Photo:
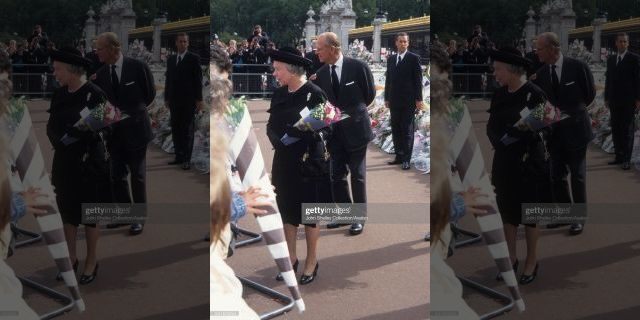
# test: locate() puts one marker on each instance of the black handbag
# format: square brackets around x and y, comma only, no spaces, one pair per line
[316,161]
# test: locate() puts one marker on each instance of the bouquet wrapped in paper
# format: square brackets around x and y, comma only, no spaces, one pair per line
[536,119]
[103,115]
[321,116]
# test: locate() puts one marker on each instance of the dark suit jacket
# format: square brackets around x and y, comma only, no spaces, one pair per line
[403,84]
[135,92]
[622,83]
[183,85]
[357,91]
[577,91]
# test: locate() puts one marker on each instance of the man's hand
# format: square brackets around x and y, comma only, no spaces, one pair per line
[419,105]
[533,77]
[313,77]
[93,77]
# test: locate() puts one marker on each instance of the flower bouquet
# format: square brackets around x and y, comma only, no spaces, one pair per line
[103,115]
[542,116]
[321,116]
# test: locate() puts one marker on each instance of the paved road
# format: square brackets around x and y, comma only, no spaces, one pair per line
[592,276]
[378,275]
[161,274]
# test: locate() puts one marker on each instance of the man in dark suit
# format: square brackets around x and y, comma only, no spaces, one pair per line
[261,36]
[349,86]
[128,84]
[183,96]
[568,84]
[403,95]
[622,97]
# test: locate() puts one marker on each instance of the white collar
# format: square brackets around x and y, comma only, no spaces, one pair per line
[560,61]
[118,63]
[401,55]
[339,61]
[181,55]
[621,55]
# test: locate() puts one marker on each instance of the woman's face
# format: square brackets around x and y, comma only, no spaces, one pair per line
[502,73]
[281,73]
[61,72]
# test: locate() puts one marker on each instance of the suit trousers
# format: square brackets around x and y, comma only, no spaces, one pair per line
[563,162]
[403,130]
[182,131]
[622,129]
[348,162]
[127,162]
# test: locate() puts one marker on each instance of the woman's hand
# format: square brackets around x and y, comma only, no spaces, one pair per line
[472,203]
[33,199]
[252,200]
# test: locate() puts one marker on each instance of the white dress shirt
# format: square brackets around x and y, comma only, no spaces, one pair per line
[400,57]
[558,67]
[118,65]
[180,57]
[338,65]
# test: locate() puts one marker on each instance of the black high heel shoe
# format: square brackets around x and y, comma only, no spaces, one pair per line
[306,279]
[515,270]
[279,277]
[75,270]
[526,279]
[86,279]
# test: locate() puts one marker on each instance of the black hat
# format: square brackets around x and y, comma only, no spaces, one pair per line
[71,56]
[510,55]
[289,55]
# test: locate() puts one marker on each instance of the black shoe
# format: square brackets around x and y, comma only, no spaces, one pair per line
[396,161]
[614,162]
[626,165]
[576,229]
[174,162]
[515,270]
[136,229]
[406,165]
[526,279]
[356,229]
[305,279]
[75,270]
[186,166]
[279,277]
[334,225]
[115,225]
[86,279]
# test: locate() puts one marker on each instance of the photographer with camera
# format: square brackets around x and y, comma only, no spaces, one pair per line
[262,36]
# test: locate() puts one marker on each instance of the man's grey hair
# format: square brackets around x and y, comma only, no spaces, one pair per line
[550,39]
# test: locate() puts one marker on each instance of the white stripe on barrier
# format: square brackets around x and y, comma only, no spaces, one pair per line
[50,222]
[240,136]
[59,250]
[270,222]
[279,251]
[499,250]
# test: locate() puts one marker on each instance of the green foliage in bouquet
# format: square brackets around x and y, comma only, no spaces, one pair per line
[235,111]
[15,112]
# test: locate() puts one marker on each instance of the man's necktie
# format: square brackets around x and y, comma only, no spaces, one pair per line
[399,59]
[179,59]
[335,83]
[555,82]
[619,59]
[114,79]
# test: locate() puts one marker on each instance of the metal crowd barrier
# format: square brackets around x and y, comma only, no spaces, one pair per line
[253,80]
[33,80]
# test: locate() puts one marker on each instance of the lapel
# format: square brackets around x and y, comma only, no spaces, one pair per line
[123,73]
[343,73]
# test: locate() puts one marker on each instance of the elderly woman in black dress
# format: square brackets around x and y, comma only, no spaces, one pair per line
[519,171]
[80,168]
[292,186]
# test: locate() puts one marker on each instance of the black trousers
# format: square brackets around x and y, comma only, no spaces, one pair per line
[403,130]
[346,162]
[182,131]
[129,163]
[622,129]
[563,162]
